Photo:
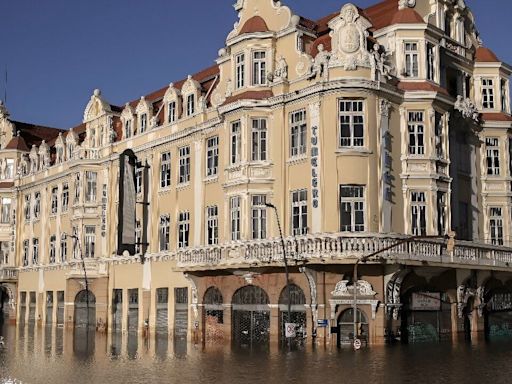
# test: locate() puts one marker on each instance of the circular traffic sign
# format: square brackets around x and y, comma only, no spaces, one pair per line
[357,344]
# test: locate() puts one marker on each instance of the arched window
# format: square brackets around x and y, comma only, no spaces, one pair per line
[250,295]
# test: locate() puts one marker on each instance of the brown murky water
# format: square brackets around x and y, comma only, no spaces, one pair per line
[53,355]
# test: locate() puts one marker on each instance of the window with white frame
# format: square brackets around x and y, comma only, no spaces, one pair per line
[259,72]
[418,214]
[26,250]
[234,212]
[9,168]
[259,139]
[27,208]
[90,186]
[240,70]
[351,115]
[191,104]
[90,241]
[183,229]
[259,217]
[236,142]
[298,129]
[63,248]
[35,251]
[411,59]
[441,213]
[65,197]
[53,250]
[37,205]
[488,93]
[171,112]
[503,84]
[431,62]
[300,212]
[6,210]
[55,200]
[165,170]
[496,225]
[138,237]
[439,134]
[5,248]
[184,171]
[77,188]
[352,208]
[143,122]
[164,232]
[138,179]
[128,129]
[492,150]
[212,156]
[416,128]
[212,225]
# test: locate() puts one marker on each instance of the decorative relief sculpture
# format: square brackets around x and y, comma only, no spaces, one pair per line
[343,288]
[467,108]
[348,35]
[44,156]
[319,64]
[464,293]
[34,159]
[281,72]
[406,3]
[381,62]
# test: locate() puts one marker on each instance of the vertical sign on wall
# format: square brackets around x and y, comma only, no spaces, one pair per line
[314,121]
[127,201]
[104,210]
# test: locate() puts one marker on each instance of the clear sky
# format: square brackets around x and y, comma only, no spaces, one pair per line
[58,51]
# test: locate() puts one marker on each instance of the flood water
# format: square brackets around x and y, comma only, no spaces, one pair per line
[52,355]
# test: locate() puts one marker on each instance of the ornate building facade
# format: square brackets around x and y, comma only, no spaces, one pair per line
[369,131]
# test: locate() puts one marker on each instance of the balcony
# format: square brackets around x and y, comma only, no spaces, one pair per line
[337,249]
[8,274]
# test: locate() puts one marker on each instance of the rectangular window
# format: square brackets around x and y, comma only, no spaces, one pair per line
[65,197]
[259,217]
[488,93]
[234,210]
[90,186]
[503,95]
[164,232]
[27,207]
[53,250]
[300,212]
[183,229]
[138,237]
[352,206]
[212,225]
[418,214]
[55,200]
[184,175]
[240,71]
[212,156]
[416,133]
[63,249]
[37,205]
[411,60]
[128,129]
[143,122]
[431,62]
[236,142]
[191,108]
[171,112]
[9,168]
[298,133]
[6,210]
[90,241]
[441,213]
[492,150]
[439,135]
[25,252]
[496,225]
[259,72]
[77,188]
[138,179]
[259,139]
[351,116]
[35,251]
[165,170]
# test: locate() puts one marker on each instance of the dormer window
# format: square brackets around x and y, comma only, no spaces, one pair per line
[487,93]
[259,68]
[143,122]
[190,105]
[240,70]
[411,60]
[171,114]
[128,129]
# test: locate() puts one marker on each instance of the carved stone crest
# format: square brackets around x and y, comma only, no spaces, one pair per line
[467,108]
[344,288]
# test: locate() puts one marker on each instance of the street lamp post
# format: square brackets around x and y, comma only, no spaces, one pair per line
[363,259]
[285,260]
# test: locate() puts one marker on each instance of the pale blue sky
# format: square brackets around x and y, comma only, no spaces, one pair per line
[58,51]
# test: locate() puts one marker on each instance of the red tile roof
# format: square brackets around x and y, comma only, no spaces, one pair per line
[496,116]
[485,55]
[249,95]
[407,16]
[409,86]
[35,134]
[5,184]
[17,143]
[254,24]
[381,14]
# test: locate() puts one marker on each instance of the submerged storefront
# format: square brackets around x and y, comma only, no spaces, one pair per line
[498,316]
